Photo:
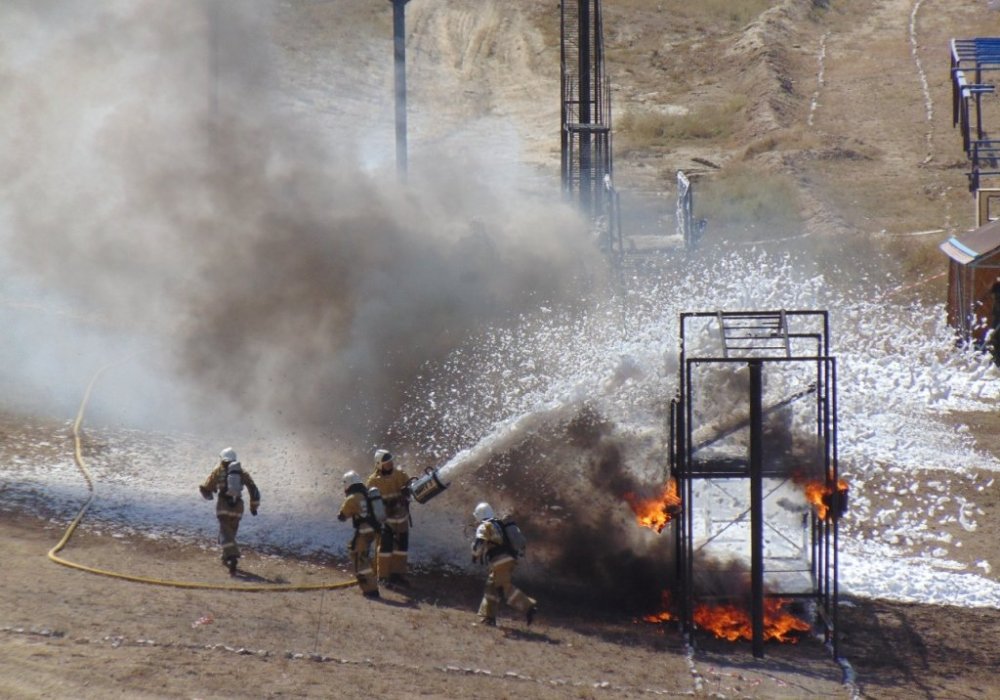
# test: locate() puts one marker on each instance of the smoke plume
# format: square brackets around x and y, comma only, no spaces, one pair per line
[154,175]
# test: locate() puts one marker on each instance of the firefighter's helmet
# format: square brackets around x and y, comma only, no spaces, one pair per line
[484,511]
[228,455]
[353,482]
[382,457]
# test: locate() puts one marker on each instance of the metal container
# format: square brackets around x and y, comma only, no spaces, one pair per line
[428,486]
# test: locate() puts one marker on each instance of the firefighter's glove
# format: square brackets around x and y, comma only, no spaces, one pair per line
[205,493]
[341,517]
[253,510]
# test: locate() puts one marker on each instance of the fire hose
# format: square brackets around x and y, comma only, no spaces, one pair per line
[82,466]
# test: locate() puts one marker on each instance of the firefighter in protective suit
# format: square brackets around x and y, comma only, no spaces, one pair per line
[356,507]
[394,539]
[228,479]
[490,548]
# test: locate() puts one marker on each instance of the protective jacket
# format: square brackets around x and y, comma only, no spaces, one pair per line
[391,486]
[489,545]
[356,508]
[216,483]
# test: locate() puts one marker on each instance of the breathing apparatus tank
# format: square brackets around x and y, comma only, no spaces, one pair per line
[234,480]
[376,504]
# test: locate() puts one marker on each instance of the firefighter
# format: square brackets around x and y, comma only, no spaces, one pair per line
[356,507]
[394,538]
[228,480]
[491,547]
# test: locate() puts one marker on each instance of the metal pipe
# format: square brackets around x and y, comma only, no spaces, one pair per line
[399,66]
[583,66]
[757,505]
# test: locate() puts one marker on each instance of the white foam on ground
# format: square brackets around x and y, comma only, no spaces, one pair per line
[898,373]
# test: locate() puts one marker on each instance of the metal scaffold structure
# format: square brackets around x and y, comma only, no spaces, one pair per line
[974,63]
[754,455]
[587,173]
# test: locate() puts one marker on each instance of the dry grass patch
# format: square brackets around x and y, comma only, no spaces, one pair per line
[918,257]
[737,14]
[640,129]
[793,139]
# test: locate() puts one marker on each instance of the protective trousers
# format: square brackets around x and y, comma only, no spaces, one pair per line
[393,547]
[229,515]
[360,549]
[500,588]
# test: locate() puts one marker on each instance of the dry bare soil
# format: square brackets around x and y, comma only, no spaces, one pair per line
[850,104]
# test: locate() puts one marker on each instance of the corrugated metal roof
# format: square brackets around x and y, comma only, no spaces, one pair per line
[973,245]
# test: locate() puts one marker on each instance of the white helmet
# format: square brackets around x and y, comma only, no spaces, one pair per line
[484,511]
[228,455]
[351,478]
[382,457]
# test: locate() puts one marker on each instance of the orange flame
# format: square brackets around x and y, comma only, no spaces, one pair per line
[820,495]
[663,616]
[732,622]
[655,513]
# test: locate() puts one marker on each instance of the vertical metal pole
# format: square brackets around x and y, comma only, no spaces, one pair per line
[563,103]
[820,551]
[832,392]
[979,103]
[214,59]
[757,506]
[399,64]
[586,169]
[688,495]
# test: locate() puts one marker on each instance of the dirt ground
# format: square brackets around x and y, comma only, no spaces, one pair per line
[853,102]
[68,633]
[72,634]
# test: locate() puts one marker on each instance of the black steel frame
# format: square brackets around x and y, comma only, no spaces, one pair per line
[585,114]
[755,340]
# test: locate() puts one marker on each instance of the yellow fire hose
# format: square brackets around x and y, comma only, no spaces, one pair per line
[81,465]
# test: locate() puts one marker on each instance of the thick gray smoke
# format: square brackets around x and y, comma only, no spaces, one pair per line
[566,482]
[151,175]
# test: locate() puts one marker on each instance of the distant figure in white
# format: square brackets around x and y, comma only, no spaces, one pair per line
[228,479]
[499,552]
